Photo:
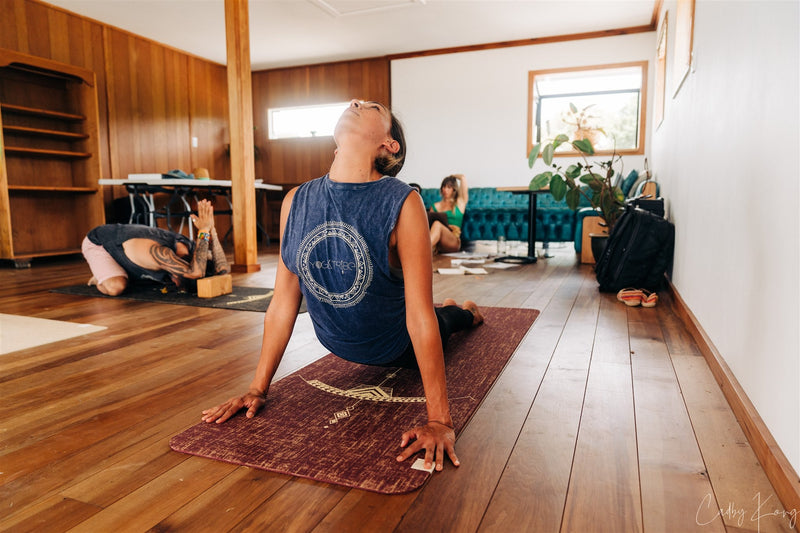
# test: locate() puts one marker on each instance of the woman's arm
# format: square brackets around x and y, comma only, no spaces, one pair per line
[413,247]
[279,322]
[463,192]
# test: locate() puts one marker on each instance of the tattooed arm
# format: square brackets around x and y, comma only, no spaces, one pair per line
[151,255]
[204,220]
[165,259]
[218,254]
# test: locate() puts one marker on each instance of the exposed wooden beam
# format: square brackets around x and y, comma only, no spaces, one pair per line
[526,42]
[240,105]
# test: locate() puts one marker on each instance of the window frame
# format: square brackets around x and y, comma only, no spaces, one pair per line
[269,119]
[639,150]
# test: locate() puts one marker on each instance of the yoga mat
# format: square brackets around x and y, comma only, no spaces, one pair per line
[22,332]
[341,422]
[241,299]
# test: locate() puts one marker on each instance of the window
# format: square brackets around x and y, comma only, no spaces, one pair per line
[603,104]
[304,121]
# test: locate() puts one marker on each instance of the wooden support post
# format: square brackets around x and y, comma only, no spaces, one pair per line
[240,107]
[6,248]
[214,286]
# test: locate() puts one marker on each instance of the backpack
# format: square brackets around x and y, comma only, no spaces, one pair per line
[638,252]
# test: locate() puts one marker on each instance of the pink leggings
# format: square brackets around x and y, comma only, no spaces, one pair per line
[100,262]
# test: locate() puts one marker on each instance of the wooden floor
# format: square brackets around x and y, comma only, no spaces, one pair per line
[606,419]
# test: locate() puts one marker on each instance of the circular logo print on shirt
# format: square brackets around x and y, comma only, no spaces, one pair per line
[334,263]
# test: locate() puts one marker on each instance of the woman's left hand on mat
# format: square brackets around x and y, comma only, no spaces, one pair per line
[435,438]
[222,412]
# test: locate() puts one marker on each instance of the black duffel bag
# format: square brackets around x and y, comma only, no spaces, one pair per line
[654,205]
[638,252]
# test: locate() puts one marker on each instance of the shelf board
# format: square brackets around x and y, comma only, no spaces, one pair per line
[45,253]
[22,110]
[40,188]
[38,132]
[38,152]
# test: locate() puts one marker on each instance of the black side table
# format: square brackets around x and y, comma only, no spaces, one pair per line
[531,257]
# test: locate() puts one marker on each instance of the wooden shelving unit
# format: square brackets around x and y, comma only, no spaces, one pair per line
[49,157]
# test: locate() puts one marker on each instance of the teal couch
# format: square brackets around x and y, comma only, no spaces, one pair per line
[492,213]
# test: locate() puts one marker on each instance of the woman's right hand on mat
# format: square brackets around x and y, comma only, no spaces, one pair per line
[253,401]
[435,438]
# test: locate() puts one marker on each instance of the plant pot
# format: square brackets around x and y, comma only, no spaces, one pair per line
[599,241]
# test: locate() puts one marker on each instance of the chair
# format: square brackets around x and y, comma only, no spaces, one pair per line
[591,224]
[648,189]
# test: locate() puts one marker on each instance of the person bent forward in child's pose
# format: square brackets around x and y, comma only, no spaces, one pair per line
[119,254]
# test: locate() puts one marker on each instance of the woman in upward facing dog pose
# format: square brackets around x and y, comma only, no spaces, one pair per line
[455,195]
[355,244]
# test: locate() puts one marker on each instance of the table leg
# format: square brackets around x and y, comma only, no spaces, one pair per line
[532,226]
[259,227]
[132,198]
[531,257]
[188,210]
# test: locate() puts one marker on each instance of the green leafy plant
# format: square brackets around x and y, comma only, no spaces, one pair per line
[584,123]
[594,181]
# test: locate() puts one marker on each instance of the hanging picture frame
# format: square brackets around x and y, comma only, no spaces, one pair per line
[684,31]
[661,70]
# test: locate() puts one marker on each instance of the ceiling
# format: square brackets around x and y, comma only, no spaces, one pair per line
[301,32]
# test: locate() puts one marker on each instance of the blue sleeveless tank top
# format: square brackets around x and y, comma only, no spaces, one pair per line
[336,241]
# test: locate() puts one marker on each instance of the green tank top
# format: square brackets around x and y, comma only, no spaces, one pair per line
[454,217]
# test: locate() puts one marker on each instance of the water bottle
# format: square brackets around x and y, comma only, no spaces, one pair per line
[501,245]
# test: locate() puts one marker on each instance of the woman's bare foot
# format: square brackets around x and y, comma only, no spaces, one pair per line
[92,282]
[472,307]
[449,301]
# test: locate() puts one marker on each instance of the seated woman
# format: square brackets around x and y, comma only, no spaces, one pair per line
[455,195]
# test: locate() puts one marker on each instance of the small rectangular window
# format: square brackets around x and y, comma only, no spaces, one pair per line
[304,121]
[603,104]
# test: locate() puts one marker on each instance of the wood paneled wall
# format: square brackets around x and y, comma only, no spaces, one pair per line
[158,100]
[40,30]
[152,98]
[293,161]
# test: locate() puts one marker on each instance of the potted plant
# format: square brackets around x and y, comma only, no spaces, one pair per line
[585,124]
[593,180]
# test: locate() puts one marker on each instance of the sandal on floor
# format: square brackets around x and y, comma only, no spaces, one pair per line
[649,299]
[631,297]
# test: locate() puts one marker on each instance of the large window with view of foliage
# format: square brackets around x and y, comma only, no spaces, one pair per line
[603,104]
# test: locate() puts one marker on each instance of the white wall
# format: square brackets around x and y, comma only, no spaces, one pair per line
[727,157]
[726,154]
[467,112]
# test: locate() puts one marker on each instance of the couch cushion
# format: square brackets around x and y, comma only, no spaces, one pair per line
[627,184]
[492,213]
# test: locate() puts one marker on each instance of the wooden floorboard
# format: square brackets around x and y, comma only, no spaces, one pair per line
[673,474]
[605,470]
[606,418]
[531,493]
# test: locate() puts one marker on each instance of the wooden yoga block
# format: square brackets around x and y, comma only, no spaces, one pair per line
[590,225]
[214,286]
